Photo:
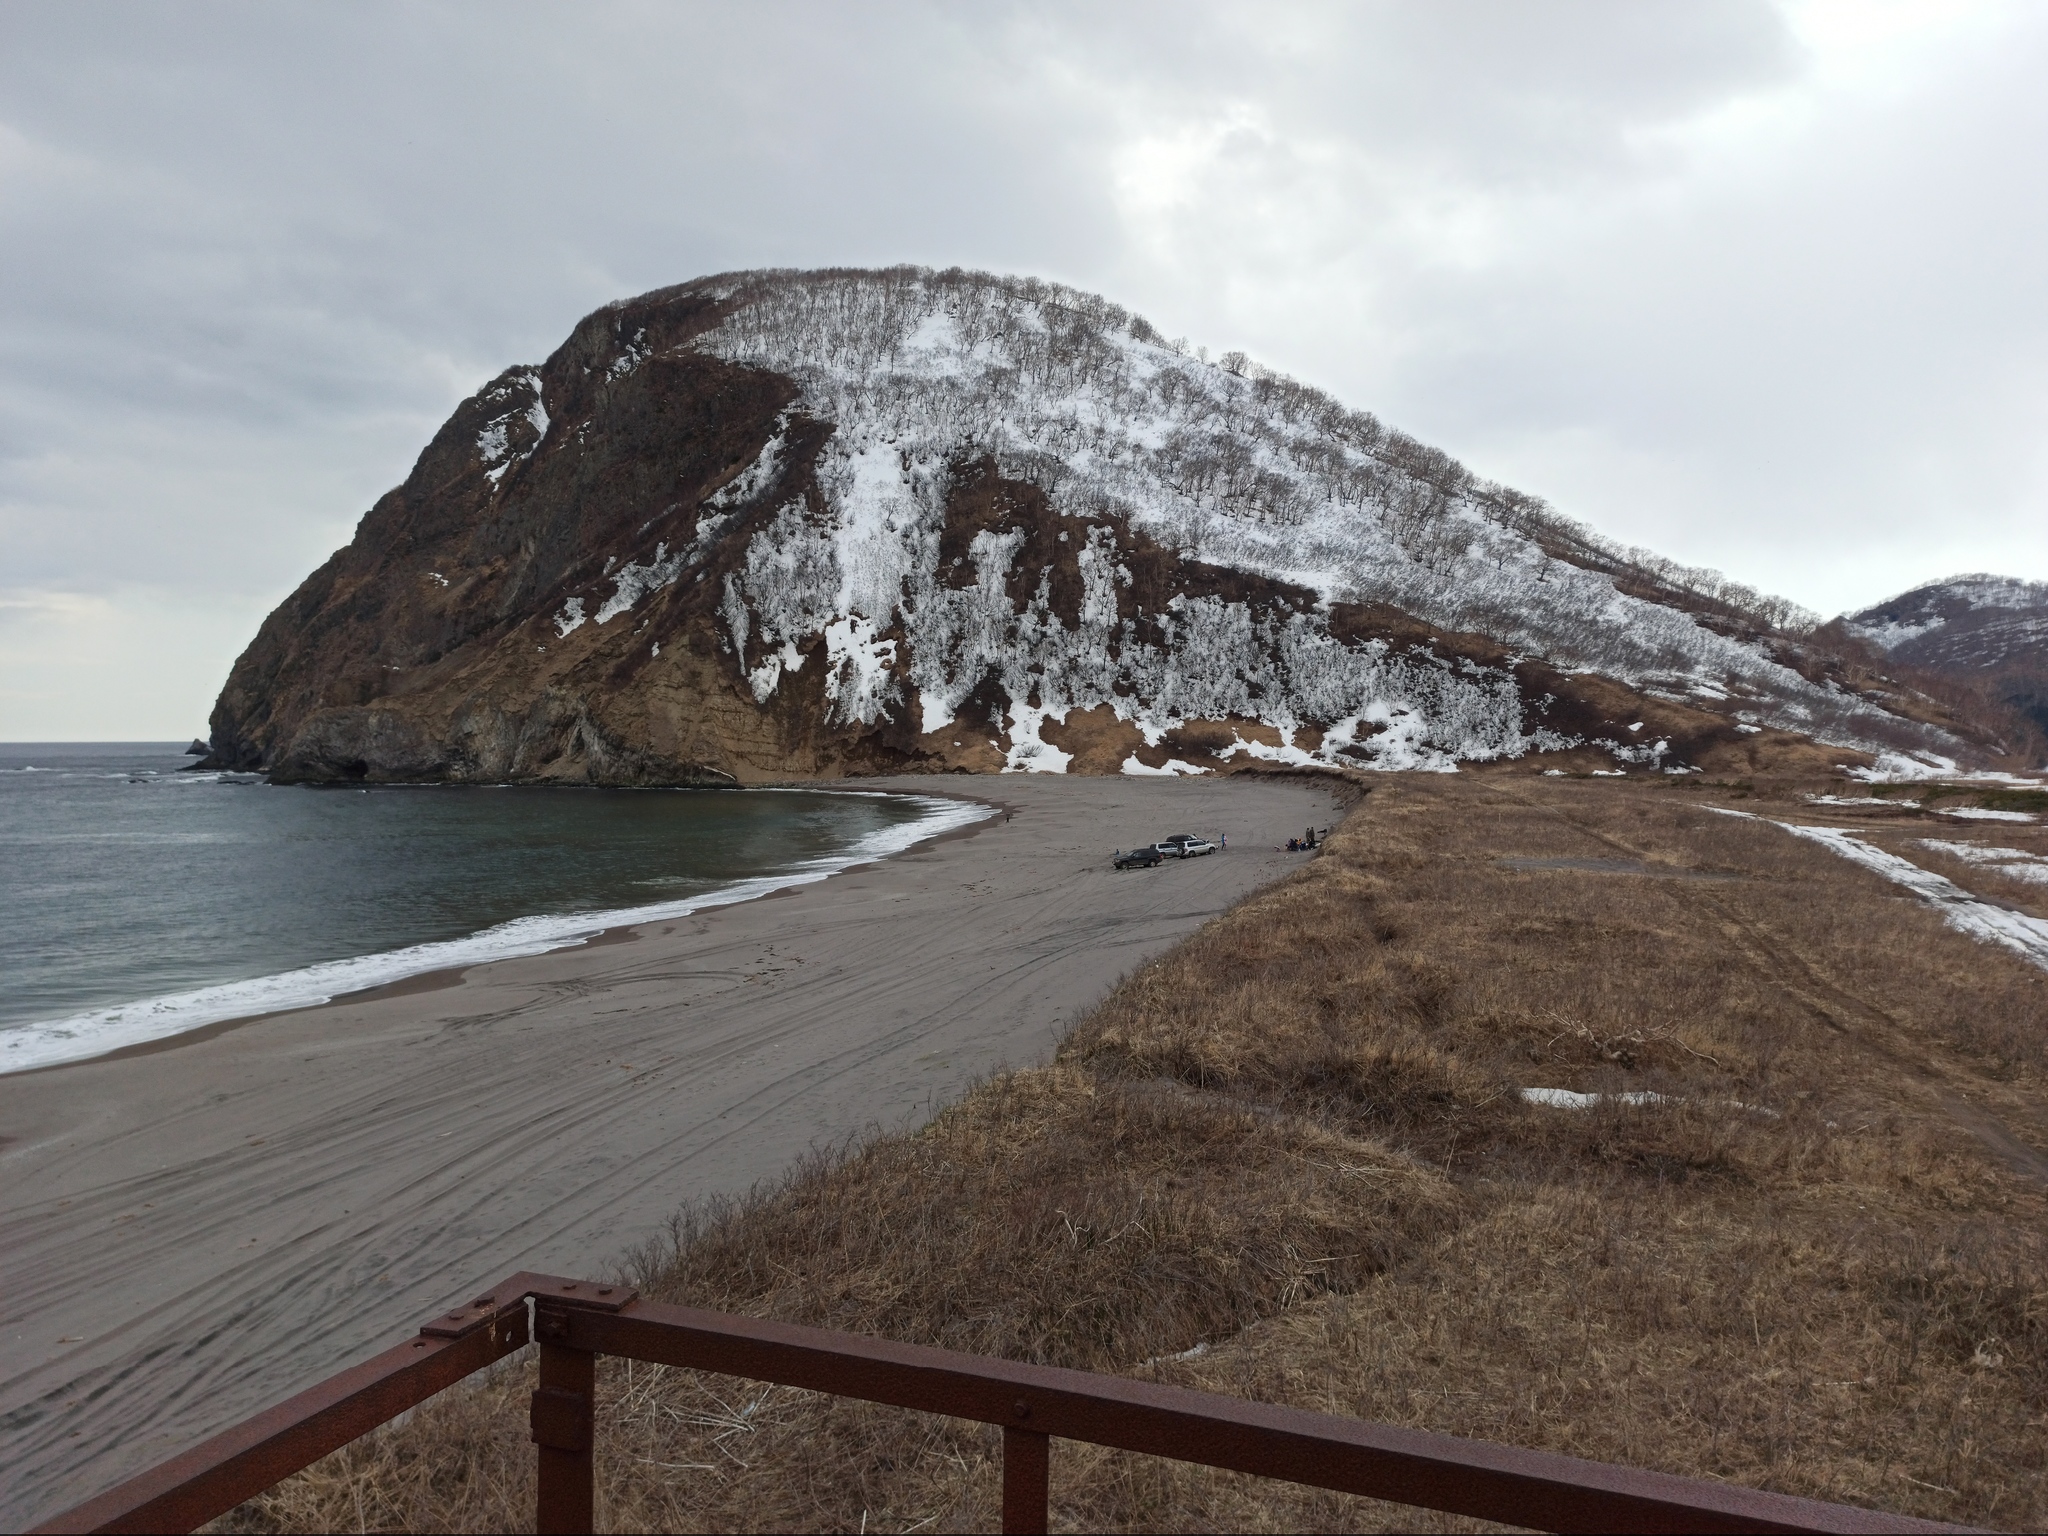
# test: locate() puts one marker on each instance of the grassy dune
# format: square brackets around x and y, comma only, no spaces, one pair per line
[1292,1161]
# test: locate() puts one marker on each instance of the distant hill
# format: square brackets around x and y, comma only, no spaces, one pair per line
[784,524]
[1988,634]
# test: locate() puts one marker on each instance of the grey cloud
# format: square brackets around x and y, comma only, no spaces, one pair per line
[255,253]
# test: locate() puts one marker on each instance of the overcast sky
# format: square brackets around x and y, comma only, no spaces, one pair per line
[1757,285]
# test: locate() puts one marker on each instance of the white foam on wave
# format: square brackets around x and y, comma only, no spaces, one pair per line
[156,1018]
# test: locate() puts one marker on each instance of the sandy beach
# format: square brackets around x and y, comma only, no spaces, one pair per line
[191,1231]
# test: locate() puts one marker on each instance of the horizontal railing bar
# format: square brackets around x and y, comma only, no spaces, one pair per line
[214,1476]
[1471,1477]
[1468,1477]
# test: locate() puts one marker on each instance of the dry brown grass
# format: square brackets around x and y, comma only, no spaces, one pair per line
[1986,880]
[1298,1141]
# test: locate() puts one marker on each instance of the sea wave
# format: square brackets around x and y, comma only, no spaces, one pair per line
[110,1029]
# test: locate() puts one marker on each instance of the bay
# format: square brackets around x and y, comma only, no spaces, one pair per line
[139,899]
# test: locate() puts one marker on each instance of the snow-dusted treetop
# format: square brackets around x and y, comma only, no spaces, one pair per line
[1221,461]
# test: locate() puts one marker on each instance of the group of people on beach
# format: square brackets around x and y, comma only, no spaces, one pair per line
[1305,843]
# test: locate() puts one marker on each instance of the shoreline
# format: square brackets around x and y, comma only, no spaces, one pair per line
[437,977]
[188,1235]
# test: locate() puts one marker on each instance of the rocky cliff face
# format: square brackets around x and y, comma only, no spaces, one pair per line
[780,525]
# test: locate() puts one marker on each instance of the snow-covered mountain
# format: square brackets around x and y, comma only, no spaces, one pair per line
[1988,632]
[773,524]
[1964,621]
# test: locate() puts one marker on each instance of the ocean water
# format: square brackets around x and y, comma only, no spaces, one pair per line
[138,900]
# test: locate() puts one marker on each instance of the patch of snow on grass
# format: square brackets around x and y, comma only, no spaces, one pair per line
[1977,813]
[1565,1098]
[570,617]
[1287,753]
[1648,756]
[1959,909]
[2014,863]
[1864,802]
[1027,753]
[1899,768]
[1172,769]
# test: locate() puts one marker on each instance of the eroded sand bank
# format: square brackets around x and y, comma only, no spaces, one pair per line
[190,1233]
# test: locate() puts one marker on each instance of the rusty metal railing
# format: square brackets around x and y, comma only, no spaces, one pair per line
[575,1321]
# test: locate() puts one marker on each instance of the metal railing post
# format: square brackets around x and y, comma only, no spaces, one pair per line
[1027,1472]
[562,1415]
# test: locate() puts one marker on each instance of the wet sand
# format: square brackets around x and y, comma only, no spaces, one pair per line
[192,1230]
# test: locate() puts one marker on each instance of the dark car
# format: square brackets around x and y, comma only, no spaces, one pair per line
[1140,858]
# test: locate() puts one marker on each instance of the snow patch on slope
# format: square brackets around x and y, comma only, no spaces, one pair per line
[857,675]
[494,442]
[757,476]
[2016,931]
[1173,767]
[1029,753]
[634,581]
[873,563]
[1901,768]
[1230,470]
[2013,863]
[1927,767]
